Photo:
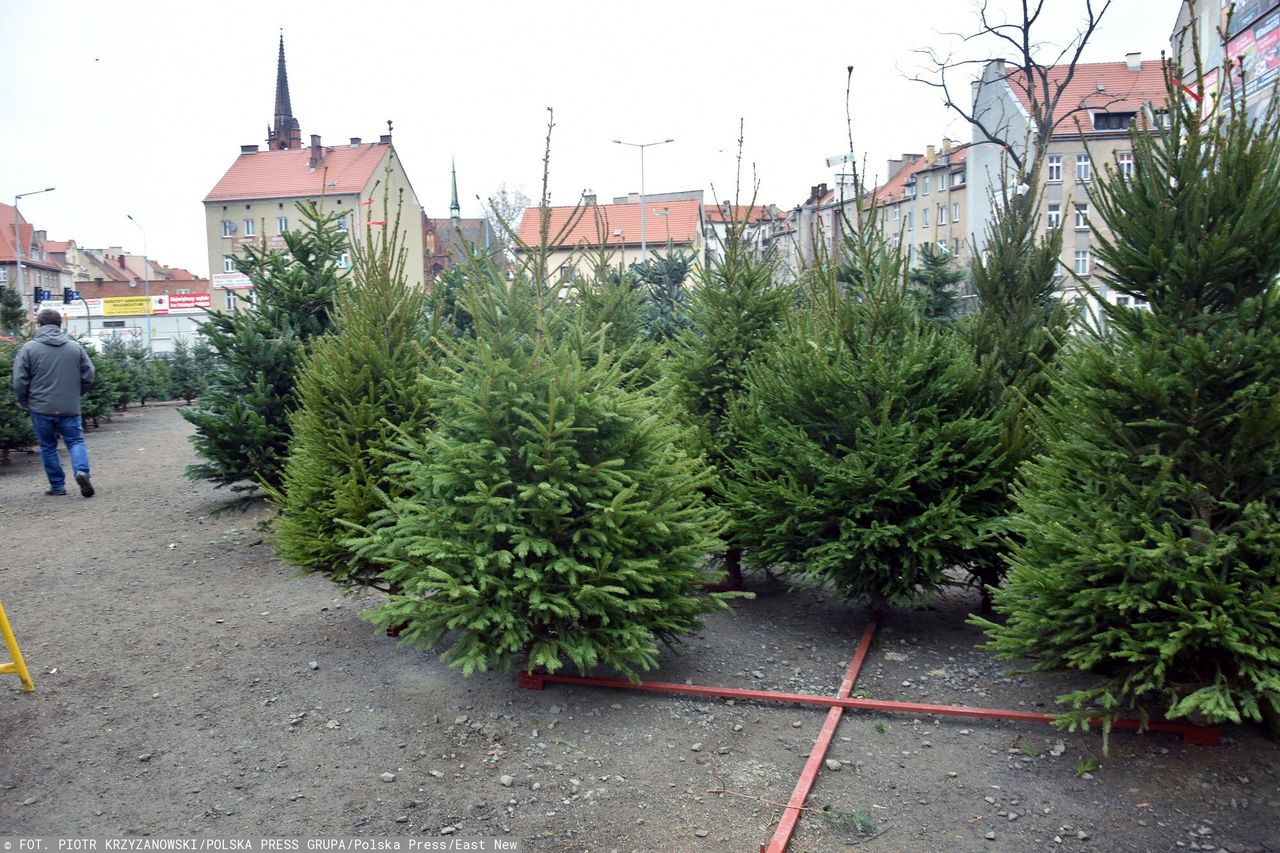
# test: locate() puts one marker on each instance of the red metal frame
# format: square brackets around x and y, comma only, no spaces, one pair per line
[1191,733]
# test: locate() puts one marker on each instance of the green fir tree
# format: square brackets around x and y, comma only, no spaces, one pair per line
[242,418]
[734,312]
[1147,546]
[865,457]
[185,381]
[935,283]
[13,316]
[359,389]
[15,420]
[551,517]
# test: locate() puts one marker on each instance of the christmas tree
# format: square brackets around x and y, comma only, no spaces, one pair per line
[12,315]
[358,390]
[1146,534]
[241,421]
[865,458]
[185,381]
[935,280]
[15,421]
[736,309]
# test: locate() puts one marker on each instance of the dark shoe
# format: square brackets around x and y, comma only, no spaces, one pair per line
[53,491]
[86,488]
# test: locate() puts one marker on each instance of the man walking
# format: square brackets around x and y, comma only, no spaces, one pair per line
[49,375]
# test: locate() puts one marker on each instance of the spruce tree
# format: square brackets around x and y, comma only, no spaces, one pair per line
[12,315]
[551,515]
[935,280]
[1146,534]
[184,379]
[15,421]
[1020,324]
[664,278]
[865,458]
[736,309]
[241,421]
[358,390]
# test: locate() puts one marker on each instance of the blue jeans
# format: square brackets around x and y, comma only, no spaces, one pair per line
[48,428]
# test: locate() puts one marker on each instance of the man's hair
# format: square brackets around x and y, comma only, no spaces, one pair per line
[49,317]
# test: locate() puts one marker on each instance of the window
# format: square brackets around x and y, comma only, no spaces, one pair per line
[942,214]
[228,300]
[228,228]
[942,180]
[113,324]
[1122,300]
[345,261]
[1112,121]
[1084,168]
[897,213]
[1124,162]
[957,179]
[955,212]
[1054,217]
[911,220]
[924,218]
[4,274]
[282,224]
[926,185]
[183,290]
[342,224]
[248,228]
[911,255]
[911,190]
[1082,216]
[1082,261]
[955,245]
[1055,168]
[228,263]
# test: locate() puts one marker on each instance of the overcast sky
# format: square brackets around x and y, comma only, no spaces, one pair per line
[140,107]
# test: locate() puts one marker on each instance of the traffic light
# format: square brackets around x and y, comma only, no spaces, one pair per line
[67,295]
[37,296]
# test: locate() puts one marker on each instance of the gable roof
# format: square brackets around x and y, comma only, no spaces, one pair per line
[722,213]
[1104,86]
[604,221]
[344,170]
[895,189]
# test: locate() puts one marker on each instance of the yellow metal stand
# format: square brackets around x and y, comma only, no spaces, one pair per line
[16,665]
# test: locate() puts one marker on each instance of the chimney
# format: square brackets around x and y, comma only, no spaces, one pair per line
[317,153]
[355,141]
[930,154]
[1133,61]
[384,139]
[589,198]
[248,149]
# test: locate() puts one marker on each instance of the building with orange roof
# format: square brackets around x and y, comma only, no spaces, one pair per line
[255,201]
[39,270]
[756,222]
[578,234]
[1099,105]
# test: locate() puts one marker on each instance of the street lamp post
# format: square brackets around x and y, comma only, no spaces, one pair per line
[17,236]
[146,281]
[644,245]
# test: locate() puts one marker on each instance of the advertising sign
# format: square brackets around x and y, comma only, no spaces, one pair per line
[231,281]
[1257,50]
[124,306]
[189,302]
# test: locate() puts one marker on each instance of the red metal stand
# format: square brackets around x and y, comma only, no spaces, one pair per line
[1191,733]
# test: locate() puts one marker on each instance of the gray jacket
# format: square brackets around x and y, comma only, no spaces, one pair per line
[51,372]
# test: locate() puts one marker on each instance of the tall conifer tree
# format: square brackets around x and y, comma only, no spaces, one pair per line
[1146,537]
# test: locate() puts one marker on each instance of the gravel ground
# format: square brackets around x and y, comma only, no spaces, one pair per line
[189,684]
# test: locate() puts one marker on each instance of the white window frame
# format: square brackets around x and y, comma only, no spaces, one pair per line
[1083,262]
[911,220]
[942,181]
[229,300]
[282,224]
[342,224]
[1084,168]
[955,211]
[228,263]
[228,228]
[249,229]
[942,214]
[897,213]
[924,217]
[1082,216]
[925,187]
[1124,164]
[1053,216]
[1053,173]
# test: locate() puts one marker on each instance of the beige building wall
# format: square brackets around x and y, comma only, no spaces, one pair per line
[262,222]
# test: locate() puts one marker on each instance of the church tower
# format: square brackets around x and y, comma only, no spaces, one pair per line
[286,132]
[455,212]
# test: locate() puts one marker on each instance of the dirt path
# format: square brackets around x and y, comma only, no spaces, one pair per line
[188,684]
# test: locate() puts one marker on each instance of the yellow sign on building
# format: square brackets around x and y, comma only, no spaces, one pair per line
[121,306]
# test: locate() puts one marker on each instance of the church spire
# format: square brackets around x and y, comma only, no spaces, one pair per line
[285,132]
[455,212]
